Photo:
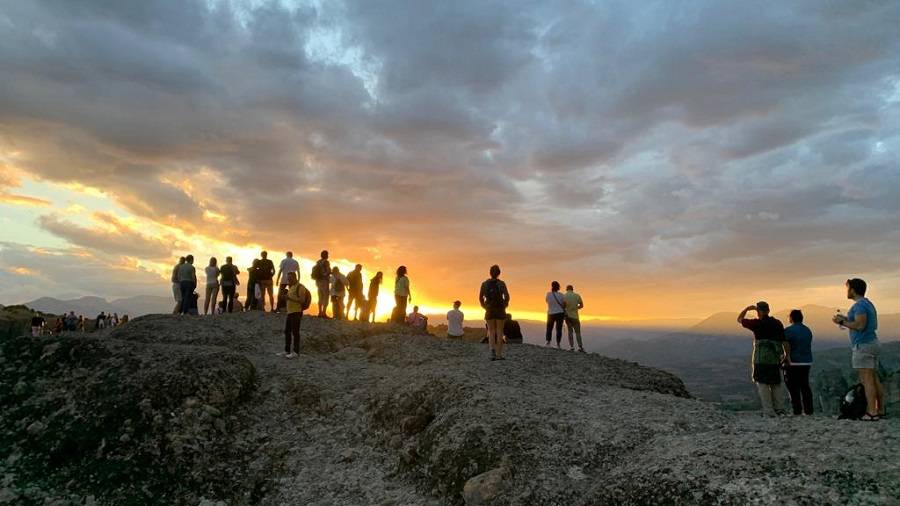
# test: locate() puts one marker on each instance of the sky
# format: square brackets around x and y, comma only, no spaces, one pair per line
[669,159]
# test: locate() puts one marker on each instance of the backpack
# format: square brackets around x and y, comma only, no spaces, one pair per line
[853,403]
[307,298]
[317,269]
[493,295]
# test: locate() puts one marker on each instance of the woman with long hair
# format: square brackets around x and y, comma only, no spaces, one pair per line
[401,295]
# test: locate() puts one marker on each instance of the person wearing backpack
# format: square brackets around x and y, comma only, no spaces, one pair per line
[298,300]
[556,312]
[770,350]
[338,290]
[229,280]
[862,322]
[494,298]
[321,275]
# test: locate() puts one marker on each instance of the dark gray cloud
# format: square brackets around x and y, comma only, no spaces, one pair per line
[667,135]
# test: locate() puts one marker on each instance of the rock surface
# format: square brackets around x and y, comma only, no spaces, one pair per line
[201,411]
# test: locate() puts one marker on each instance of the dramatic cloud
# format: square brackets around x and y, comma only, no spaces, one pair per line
[605,142]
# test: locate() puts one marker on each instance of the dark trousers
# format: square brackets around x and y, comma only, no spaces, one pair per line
[555,319]
[358,298]
[187,295]
[400,310]
[228,297]
[292,332]
[796,378]
[251,296]
[337,307]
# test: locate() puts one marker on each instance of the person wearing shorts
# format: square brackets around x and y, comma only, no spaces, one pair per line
[862,322]
[494,298]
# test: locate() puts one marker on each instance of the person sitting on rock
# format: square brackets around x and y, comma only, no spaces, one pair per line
[455,319]
[417,320]
[770,349]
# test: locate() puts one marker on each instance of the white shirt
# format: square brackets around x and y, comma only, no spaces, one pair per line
[212,275]
[554,303]
[333,290]
[289,265]
[455,322]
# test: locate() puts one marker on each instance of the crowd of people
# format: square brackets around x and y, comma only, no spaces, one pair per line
[785,354]
[70,322]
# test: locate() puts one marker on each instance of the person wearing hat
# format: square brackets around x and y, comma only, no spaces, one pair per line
[455,320]
[770,350]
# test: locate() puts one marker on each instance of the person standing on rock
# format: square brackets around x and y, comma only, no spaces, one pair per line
[455,318]
[252,301]
[321,274]
[176,287]
[287,266]
[573,324]
[229,276]
[556,312]
[355,291]
[862,321]
[338,290]
[187,280]
[37,324]
[212,286]
[372,302]
[298,299]
[770,349]
[796,370]
[402,295]
[494,299]
[264,277]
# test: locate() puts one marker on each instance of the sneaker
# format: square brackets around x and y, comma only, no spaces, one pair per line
[291,355]
[281,354]
[581,350]
[572,348]
[548,343]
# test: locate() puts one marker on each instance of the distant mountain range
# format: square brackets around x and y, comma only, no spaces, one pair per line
[92,306]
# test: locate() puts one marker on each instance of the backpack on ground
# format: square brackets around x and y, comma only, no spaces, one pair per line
[854,403]
[493,295]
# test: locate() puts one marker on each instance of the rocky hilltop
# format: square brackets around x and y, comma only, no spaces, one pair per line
[170,410]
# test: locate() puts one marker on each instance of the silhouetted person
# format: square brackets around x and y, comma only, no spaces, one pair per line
[417,320]
[494,298]
[124,319]
[58,326]
[321,274]
[862,322]
[264,275]
[556,312]
[71,321]
[81,327]
[238,306]
[100,324]
[511,330]
[187,279]
[115,319]
[37,324]
[796,370]
[573,324]
[355,291]
[337,291]
[372,302]
[401,295]
[176,287]
[455,319]
[229,279]
[298,298]
[287,266]
[252,288]
[212,285]
[770,349]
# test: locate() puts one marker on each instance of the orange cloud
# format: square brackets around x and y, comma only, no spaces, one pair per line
[22,200]
[21,271]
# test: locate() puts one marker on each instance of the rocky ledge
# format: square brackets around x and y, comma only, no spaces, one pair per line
[200,411]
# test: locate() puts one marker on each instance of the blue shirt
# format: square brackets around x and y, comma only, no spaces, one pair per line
[866,335]
[800,338]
